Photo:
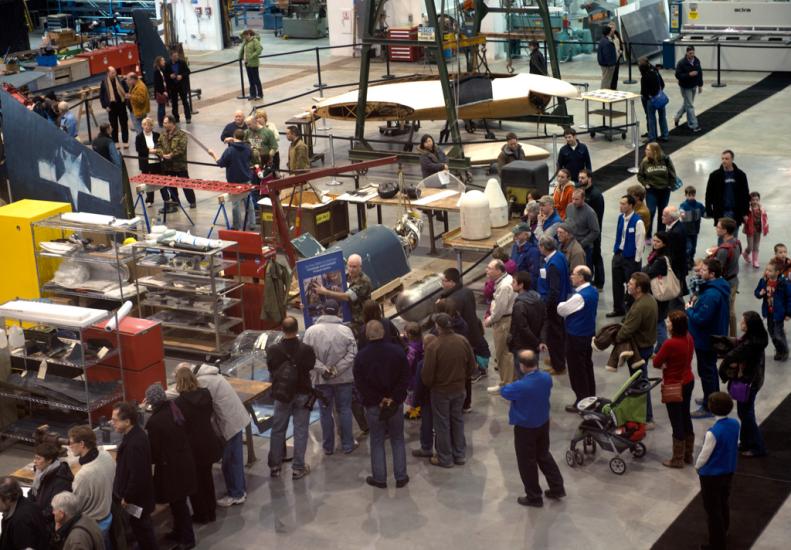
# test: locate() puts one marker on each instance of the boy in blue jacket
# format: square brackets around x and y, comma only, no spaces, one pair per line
[529,414]
[692,212]
[773,290]
[715,465]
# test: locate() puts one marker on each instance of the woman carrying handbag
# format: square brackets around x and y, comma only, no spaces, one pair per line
[675,360]
[664,284]
[742,369]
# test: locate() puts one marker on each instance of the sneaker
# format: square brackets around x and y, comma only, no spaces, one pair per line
[373,483]
[697,129]
[701,413]
[466,410]
[299,474]
[460,461]
[402,482]
[274,472]
[193,205]
[420,453]
[650,425]
[478,375]
[534,502]
[493,390]
[610,369]
[227,501]
[676,120]
[328,453]
[435,462]
[699,401]
[550,493]
[354,447]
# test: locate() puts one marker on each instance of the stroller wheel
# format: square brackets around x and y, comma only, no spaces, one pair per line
[639,450]
[617,466]
[570,458]
[579,458]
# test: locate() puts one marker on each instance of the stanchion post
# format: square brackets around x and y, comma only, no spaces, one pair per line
[88,118]
[554,150]
[333,181]
[241,81]
[629,79]
[636,168]
[719,83]
[386,51]
[318,70]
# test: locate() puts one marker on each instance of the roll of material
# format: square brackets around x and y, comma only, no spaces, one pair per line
[122,312]
[476,221]
[415,293]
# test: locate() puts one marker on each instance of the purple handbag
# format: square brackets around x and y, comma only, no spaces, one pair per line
[739,391]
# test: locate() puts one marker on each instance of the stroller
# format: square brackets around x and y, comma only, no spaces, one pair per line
[615,425]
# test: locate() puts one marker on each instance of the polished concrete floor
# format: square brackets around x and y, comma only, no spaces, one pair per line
[475,505]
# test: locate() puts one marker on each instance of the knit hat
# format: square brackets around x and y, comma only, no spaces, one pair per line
[155,394]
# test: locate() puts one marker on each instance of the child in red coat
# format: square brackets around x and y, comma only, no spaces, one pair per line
[756,224]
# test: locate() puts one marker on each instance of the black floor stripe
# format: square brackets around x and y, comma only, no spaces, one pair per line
[760,487]
[615,172]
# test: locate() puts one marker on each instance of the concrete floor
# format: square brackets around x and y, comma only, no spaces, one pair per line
[475,505]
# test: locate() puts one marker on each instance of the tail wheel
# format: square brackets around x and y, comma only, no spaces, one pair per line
[639,450]
[570,458]
[617,466]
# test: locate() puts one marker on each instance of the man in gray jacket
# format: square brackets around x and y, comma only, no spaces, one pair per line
[93,483]
[584,223]
[335,349]
[73,529]
[230,418]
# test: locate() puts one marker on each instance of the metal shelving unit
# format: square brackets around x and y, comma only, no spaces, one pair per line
[33,380]
[114,254]
[187,293]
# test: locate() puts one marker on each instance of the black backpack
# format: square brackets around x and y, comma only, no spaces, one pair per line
[285,379]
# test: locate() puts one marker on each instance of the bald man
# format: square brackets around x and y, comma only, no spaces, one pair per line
[237,124]
[359,290]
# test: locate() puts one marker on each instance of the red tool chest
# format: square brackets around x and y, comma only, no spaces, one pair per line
[403,53]
[124,57]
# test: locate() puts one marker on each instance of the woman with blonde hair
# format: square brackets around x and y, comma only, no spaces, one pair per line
[196,405]
[263,119]
[160,88]
[657,174]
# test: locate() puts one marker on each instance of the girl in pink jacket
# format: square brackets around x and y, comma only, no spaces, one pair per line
[756,224]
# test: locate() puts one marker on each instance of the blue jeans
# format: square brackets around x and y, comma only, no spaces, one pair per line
[645,354]
[656,201]
[750,437]
[160,114]
[652,113]
[233,466]
[341,396]
[137,122]
[661,334]
[449,441]
[394,426]
[777,332]
[277,443]
[238,211]
[707,370]
[692,246]
[688,107]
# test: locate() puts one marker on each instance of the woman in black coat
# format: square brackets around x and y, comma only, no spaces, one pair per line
[432,158]
[52,476]
[196,404]
[651,84]
[745,364]
[658,260]
[174,467]
[147,162]
[160,89]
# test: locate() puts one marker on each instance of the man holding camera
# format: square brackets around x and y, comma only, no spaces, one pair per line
[290,362]
[335,348]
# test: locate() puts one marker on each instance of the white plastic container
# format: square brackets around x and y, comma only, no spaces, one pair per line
[498,205]
[475,216]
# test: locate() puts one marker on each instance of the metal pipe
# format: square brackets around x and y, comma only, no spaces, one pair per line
[718,84]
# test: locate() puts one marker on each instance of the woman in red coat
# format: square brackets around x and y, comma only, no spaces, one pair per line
[675,360]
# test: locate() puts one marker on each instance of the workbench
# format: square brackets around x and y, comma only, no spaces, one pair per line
[501,236]
[605,100]
[25,474]
[249,391]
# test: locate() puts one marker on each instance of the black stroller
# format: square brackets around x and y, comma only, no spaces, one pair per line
[615,425]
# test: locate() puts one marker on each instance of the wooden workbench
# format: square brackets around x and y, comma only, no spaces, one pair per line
[484,154]
[249,391]
[501,236]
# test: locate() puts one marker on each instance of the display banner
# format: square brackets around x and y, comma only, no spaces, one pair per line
[327,270]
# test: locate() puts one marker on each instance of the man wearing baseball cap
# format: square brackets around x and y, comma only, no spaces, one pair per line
[524,251]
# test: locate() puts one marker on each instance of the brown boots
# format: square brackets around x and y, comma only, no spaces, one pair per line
[678,455]
[689,446]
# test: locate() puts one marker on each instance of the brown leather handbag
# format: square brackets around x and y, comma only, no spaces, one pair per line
[672,393]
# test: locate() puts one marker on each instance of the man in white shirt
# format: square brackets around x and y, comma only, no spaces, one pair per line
[579,311]
[499,319]
[627,252]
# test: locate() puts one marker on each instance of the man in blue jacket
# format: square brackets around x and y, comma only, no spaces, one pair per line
[553,286]
[573,156]
[607,57]
[690,79]
[529,414]
[236,161]
[708,316]
[524,251]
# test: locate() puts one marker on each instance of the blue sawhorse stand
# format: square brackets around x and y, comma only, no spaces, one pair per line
[225,199]
[141,201]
